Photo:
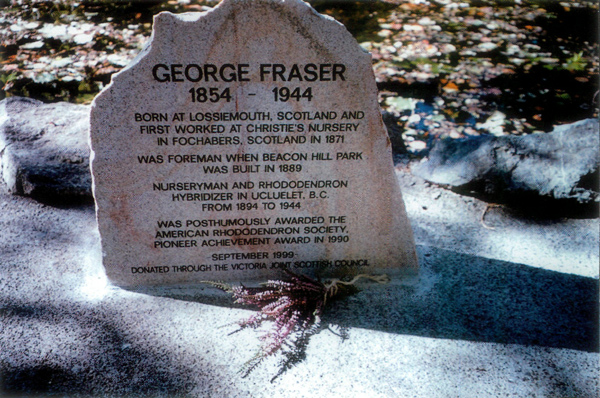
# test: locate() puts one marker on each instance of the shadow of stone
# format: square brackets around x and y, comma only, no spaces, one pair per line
[81,353]
[455,296]
[464,297]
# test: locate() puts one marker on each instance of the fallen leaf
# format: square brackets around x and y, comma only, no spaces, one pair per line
[450,88]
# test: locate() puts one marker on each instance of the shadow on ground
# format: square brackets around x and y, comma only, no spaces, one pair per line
[76,350]
[455,296]
[464,297]
[459,296]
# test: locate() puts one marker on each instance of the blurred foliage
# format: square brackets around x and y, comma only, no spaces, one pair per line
[552,78]
[575,63]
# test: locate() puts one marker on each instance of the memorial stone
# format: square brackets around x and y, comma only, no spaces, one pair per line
[243,141]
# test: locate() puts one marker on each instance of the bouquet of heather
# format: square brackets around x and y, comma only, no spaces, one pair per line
[294,306]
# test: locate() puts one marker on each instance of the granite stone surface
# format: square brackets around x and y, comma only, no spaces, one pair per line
[44,150]
[242,141]
[561,165]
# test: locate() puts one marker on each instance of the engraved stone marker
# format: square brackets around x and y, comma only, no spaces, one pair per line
[242,141]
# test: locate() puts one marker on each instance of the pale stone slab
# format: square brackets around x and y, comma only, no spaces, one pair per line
[241,141]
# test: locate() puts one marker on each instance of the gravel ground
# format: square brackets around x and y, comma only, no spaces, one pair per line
[509,311]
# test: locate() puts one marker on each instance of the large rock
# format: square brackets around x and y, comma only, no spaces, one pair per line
[561,165]
[44,150]
[212,165]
